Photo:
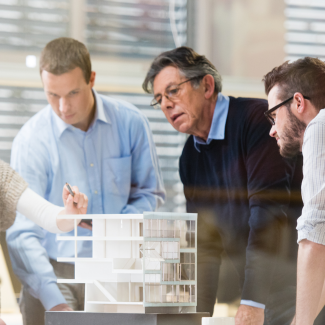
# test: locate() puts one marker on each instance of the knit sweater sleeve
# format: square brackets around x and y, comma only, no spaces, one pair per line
[12,185]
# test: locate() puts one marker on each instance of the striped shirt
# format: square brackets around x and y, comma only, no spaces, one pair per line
[311,224]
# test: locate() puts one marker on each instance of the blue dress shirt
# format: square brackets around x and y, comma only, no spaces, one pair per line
[217,132]
[114,163]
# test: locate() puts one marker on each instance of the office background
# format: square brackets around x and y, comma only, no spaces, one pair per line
[243,38]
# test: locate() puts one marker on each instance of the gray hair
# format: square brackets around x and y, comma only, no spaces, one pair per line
[190,65]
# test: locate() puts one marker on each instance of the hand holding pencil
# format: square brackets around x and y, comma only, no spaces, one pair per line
[74,203]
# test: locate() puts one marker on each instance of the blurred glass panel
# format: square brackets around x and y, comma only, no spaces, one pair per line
[29,25]
[306,29]
[133,28]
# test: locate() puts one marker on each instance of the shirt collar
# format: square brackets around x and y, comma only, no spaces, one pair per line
[218,125]
[99,115]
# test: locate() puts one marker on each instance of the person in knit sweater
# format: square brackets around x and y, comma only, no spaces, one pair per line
[237,182]
[16,196]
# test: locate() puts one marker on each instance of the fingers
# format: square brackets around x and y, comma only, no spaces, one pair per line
[85,205]
[65,193]
[69,204]
[85,226]
[76,197]
[79,200]
[75,189]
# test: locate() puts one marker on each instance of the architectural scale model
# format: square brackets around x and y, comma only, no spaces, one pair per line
[141,263]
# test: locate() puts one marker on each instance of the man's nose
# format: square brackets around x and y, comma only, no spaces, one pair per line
[64,105]
[273,131]
[166,103]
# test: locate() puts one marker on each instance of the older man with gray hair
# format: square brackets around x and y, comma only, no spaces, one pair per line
[237,182]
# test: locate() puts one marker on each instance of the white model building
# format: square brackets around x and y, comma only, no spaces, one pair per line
[141,263]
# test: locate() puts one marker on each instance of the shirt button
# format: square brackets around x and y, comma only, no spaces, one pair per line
[91,165]
[96,192]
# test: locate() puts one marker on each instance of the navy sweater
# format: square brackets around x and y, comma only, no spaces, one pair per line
[245,185]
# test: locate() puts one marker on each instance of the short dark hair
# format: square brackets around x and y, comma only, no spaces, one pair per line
[190,64]
[306,76]
[65,54]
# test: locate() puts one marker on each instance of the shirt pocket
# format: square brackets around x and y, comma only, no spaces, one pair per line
[117,176]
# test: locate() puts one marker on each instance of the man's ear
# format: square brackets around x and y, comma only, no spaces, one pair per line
[299,102]
[92,78]
[208,83]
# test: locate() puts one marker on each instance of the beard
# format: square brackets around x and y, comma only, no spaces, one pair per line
[291,136]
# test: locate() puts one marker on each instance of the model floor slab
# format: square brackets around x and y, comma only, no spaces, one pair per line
[83,318]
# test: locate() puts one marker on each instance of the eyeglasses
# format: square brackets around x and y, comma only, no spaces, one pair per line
[268,114]
[171,93]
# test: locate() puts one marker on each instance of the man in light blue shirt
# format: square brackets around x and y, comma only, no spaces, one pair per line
[103,145]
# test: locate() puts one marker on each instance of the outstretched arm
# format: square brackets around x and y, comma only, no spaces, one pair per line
[44,213]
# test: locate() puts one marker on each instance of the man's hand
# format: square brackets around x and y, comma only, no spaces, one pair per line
[247,315]
[61,307]
[74,205]
[2,322]
[85,225]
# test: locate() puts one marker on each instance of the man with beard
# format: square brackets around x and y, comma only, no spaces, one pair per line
[296,96]
[237,182]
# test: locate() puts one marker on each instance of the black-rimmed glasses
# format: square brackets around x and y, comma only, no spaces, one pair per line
[268,114]
[171,93]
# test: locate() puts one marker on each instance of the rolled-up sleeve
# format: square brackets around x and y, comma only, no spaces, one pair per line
[311,224]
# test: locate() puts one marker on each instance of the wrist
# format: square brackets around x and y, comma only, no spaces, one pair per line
[65,225]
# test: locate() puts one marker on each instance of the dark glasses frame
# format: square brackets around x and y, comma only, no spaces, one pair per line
[157,103]
[270,111]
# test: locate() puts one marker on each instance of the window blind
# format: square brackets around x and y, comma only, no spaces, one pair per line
[305,24]
[30,24]
[135,28]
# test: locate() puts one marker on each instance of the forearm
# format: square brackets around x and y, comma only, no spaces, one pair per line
[141,200]
[311,275]
[321,301]
[258,277]
[43,213]
[262,252]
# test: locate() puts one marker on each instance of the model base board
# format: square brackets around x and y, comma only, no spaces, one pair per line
[80,318]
